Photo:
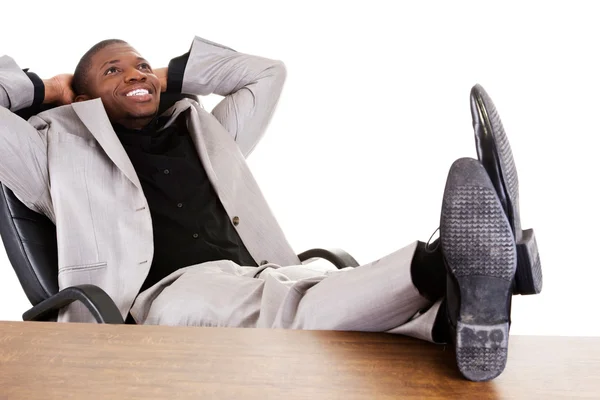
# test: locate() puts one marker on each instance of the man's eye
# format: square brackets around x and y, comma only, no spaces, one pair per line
[144,66]
[111,70]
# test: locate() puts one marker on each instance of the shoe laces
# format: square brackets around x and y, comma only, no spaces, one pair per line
[429,249]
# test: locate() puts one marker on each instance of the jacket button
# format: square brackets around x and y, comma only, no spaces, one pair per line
[236,220]
[263,262]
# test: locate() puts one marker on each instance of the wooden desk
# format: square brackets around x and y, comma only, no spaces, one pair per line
[86,361]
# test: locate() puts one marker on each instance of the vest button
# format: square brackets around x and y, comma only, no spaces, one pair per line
[236,220]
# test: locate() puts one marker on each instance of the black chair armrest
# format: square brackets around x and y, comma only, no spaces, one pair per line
[338,257]
[102,307]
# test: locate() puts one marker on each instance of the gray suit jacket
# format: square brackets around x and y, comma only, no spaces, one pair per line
[68,164]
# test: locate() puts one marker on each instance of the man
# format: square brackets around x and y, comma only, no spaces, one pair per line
[162,212]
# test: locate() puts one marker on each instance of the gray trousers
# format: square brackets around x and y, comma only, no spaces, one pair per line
[375,297]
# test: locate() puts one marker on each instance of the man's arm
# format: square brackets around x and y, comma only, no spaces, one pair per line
[23,147]
[251,86]
[55,91]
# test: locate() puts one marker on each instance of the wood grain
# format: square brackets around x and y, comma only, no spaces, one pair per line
[86,361]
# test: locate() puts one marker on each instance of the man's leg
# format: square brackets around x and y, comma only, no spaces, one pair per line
[379,296]
[395,294]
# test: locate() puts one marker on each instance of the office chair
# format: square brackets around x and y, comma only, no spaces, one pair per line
[30,242]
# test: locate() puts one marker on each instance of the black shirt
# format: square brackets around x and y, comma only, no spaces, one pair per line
[189,222]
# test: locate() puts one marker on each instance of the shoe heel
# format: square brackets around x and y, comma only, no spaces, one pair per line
[481,350]
[528,278]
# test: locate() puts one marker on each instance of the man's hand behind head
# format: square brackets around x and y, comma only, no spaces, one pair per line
[58,90]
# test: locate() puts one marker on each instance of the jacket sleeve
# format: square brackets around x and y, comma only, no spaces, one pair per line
[251,86]
[23,146]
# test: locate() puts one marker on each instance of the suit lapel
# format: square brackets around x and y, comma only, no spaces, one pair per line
[238,191]
[94,117]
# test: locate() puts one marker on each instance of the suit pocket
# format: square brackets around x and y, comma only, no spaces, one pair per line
[82,267]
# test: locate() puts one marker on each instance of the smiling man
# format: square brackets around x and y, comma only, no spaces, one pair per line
[99,74]
[163,213]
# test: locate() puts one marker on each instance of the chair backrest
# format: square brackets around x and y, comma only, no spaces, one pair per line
[30,242]
[30,238]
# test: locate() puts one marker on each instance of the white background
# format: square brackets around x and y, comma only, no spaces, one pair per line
[374,111]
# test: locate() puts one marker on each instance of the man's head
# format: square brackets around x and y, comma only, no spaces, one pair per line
[113,71]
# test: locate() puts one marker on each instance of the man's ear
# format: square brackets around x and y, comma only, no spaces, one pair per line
[82,97]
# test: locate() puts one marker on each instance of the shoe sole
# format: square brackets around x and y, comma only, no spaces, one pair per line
[494,152]
[481,257]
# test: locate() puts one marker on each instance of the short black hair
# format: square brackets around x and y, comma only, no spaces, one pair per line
[83,67]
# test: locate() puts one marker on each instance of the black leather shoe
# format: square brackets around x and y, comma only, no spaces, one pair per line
[481,258]
[494,153]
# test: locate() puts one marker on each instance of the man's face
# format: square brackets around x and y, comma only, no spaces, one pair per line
[126,84]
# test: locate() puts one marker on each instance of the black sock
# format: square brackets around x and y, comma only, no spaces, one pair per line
[440,333]
[428,271]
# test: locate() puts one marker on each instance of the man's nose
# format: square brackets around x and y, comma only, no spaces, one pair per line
[134,75]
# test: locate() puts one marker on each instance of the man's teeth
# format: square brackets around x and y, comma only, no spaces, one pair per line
[137,92]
